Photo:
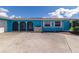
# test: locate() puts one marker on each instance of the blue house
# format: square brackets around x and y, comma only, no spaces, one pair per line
[37,25]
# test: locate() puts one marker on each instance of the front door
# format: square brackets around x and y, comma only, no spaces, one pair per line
[15,26]
[22,26]
[29,26]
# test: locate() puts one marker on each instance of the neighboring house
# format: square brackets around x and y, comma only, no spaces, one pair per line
[35,24]
[3,25]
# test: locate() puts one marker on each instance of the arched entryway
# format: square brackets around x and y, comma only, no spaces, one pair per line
[29,26]
[15,26]
[22,26]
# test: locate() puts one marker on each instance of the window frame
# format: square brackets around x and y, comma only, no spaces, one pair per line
[58,26]
[47,26]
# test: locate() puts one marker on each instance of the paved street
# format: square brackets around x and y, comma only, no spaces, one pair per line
[38,42]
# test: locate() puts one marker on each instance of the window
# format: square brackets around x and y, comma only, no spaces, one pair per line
[58,24]
[47,24]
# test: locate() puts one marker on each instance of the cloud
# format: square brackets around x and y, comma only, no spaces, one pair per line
[19,16]
[3,12]
[13,16]
[64,13]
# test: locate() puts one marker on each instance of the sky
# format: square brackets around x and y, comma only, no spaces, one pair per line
[40,11]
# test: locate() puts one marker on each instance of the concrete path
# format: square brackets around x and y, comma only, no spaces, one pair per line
[27,42]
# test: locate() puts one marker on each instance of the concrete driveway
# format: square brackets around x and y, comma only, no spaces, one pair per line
[73,42]
[28,42]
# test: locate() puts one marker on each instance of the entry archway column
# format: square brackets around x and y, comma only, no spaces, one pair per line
[26,25]
[19,26]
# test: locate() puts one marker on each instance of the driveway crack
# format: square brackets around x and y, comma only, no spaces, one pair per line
[67,43]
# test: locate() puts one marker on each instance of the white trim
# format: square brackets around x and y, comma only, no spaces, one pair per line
[53,23]
[60,24]
[47,26]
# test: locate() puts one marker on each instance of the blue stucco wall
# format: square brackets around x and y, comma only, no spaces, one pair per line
[65,26]
[9,25]
[10,22]
[36,23]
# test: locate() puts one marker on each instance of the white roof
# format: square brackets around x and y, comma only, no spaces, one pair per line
[40,19]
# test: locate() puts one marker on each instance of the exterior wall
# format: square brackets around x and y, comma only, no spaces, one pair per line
[36,23]
[9,25]
[39,24]
[65,26]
